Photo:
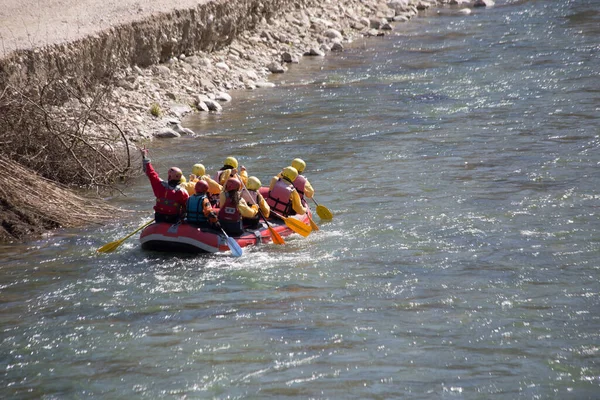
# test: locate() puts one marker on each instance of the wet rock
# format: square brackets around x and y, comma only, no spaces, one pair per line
[166,133]
[201,105]
[262,84]
[222,96]
[276,68]
[315,51]
[183,131]
[289,58]
[213,105]
[483,3]
[336,46]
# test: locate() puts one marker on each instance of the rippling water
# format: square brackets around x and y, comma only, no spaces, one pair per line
[459,156]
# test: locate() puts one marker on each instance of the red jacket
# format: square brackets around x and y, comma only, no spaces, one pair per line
[169,200]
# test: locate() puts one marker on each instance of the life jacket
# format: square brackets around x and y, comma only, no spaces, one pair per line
[218,176]
[229,211]
[230,217]
[280,199]
[169,203]
[251,196]
[300,184]
[195,209]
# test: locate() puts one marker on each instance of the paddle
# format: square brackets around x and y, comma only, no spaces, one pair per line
[112,246]
[277,239]
[295,225]
[322,211]
[235,248]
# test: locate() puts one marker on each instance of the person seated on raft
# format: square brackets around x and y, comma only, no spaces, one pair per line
[252,196]
[283,196]
[171,198]
[229,170]
[199,211]
[234,208]
[302,184]
[199,173]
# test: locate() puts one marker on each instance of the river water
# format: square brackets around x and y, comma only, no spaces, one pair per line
[460,158]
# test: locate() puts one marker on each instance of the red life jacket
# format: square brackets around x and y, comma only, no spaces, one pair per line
[280,197]
[172,202]
[229,211]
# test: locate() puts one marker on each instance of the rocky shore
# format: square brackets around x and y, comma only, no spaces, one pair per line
[155,69]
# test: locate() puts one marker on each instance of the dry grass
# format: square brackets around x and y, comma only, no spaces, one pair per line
[31,204]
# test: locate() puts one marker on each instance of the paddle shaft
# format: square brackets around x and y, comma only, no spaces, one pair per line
[276,236]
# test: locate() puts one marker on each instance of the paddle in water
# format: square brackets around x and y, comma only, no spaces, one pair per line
[235,248]
[112,246]
[322,211]
[297,226]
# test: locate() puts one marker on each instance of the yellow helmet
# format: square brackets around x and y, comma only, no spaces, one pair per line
[299,164]
[198,170]
[290,173]
[232,162]
[253,183]
[182,180]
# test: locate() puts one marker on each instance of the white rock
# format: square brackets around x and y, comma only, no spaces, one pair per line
[333,34]
[222,96]
[263,84]
[223,66]
[252,75]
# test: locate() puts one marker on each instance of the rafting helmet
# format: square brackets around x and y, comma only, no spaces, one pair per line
[253,183]
[174,174]
[232,184]
[231,161]
[198,170]
[299,164]
[290,173]
[201,187]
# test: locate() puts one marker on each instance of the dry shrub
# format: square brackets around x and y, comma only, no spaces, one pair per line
[53,137]
[60,133]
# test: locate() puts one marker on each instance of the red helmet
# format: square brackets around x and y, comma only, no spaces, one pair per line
[174,174]
[232,184]
[201,187]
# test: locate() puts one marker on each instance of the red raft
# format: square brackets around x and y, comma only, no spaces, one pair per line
[188,238]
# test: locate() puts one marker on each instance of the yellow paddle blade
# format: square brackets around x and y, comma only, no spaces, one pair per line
[298,227]
[277,239]
[112,246]
[324,213]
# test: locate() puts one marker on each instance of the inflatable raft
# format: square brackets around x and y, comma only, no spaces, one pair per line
[188,238]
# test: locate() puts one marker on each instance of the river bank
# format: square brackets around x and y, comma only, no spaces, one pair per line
[136,79]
